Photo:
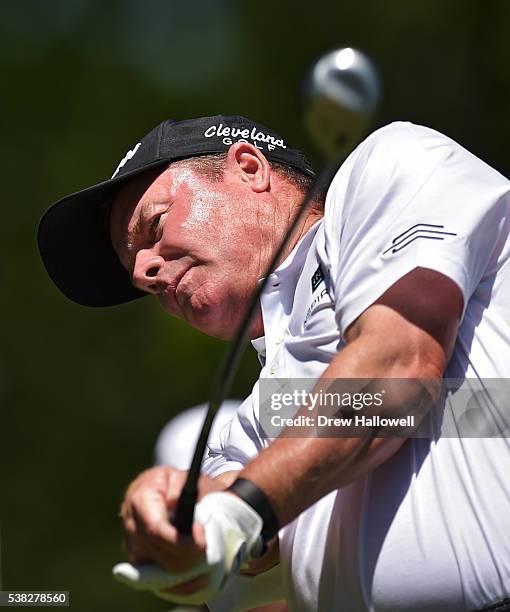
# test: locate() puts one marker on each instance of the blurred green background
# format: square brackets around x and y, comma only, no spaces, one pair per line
[84,392]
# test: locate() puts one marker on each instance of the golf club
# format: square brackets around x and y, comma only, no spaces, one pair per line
[340,94]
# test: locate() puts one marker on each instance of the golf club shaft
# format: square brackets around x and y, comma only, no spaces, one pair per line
[183,516]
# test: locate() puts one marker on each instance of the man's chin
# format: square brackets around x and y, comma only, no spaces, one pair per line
[206,318]
[213,325]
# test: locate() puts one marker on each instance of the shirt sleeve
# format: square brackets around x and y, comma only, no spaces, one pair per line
[238,442]
[410,197]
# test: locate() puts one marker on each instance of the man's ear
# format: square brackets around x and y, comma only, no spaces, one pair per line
[250,164]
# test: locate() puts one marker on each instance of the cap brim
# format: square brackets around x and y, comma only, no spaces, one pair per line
[76,248]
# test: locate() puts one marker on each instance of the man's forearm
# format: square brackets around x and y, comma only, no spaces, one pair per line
[296,472]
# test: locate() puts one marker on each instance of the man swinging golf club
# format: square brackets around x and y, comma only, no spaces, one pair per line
[400,274]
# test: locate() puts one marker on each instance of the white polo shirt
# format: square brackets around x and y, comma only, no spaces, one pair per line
[430,528]
[177,440]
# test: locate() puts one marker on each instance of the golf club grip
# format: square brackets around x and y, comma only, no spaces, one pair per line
[182,518]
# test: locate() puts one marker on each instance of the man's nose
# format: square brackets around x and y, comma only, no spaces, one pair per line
[145,273]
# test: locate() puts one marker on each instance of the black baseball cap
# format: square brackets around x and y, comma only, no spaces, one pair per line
[73,236]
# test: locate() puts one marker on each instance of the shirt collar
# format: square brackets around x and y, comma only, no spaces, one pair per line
[259,344]
[294,261]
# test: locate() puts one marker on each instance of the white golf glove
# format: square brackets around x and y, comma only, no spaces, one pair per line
[232,535]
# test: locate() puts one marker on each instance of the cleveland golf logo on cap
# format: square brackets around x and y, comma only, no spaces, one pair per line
[230,135]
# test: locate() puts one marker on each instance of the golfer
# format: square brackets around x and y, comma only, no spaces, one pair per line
[402,273]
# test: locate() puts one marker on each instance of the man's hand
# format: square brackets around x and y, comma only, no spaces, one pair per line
[229,537]
[149,535]
[148,503]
